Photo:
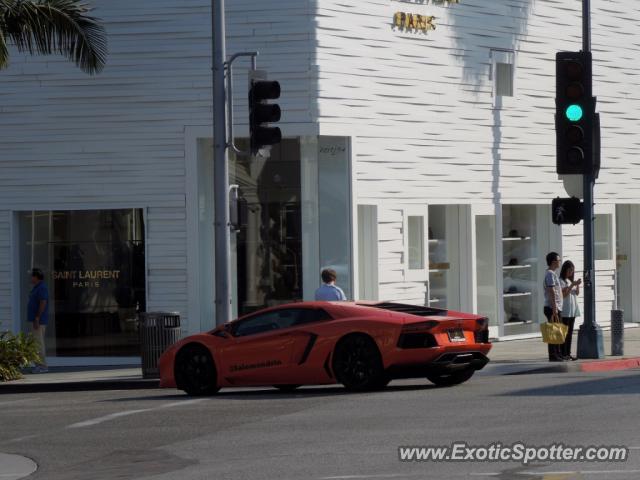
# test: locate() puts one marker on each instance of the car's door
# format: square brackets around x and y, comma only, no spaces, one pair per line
[264,347]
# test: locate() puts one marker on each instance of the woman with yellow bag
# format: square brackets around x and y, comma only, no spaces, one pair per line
[553,301]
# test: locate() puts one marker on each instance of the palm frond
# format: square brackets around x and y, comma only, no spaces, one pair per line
[55,26]
[4,51]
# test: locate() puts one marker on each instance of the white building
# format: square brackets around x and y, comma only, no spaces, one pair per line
[419,163]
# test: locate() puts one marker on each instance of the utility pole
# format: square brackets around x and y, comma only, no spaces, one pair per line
[220,168]
[590,338]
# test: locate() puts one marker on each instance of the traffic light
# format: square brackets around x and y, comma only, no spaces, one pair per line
[261,113]
[575,115]
[566,211]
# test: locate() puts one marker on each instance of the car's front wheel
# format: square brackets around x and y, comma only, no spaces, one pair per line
[450,379]
[357,364]
[195,371]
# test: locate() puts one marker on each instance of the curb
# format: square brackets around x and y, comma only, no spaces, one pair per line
[608,365]
[14,467]
[79,386]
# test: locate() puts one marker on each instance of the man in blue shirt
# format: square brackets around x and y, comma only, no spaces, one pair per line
[38,315]
[329,291]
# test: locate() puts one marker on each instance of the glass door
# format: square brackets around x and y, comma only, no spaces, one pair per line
[269,245]
[444,256]
[624,254]
[487,281]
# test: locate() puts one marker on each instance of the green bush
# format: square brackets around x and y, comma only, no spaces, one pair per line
[16,352]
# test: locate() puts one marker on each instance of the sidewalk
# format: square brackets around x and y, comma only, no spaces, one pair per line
[530,356]
[62,379]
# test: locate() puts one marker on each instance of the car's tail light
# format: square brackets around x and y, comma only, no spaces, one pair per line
[419,326]
[481,334]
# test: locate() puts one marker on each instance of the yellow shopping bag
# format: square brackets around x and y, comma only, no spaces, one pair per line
[554,332]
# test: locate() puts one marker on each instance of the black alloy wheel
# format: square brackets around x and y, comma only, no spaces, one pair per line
[451,379]
[195,371]
[357,364]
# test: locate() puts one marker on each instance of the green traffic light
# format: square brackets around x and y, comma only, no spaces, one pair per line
[574,113]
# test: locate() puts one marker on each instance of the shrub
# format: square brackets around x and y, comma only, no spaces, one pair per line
[16,352]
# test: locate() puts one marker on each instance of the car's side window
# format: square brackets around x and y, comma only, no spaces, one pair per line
[278,319]
[258,324]
[308,315]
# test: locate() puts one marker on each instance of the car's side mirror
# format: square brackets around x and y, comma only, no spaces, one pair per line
[224,332]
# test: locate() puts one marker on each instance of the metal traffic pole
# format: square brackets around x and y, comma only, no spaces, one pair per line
[220,169]
[590,338]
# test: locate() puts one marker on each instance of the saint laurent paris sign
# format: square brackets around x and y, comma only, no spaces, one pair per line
[412,22]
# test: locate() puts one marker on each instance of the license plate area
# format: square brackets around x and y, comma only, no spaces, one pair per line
[456,335]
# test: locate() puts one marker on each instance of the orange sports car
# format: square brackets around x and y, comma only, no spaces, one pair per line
[363,346]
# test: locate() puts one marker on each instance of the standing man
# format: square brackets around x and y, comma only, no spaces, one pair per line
[553,301]
[329,291]
[38,315]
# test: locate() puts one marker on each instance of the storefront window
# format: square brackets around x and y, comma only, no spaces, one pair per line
[487,298]
[269,245]
[415,227]
[444,251]
[522,266]
[94,265]
[334,208]
[603,231]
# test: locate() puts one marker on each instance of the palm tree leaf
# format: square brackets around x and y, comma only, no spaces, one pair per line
[4,51]
[56,26]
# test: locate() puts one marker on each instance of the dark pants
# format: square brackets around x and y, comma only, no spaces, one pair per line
[555,351]
[566,346]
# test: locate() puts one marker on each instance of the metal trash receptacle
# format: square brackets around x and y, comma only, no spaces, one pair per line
[158,331]
[617,332]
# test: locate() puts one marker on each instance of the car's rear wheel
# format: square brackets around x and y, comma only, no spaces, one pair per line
[195,371]
[450,379]
[357,364]
[286,388]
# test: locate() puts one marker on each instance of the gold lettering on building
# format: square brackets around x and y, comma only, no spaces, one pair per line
[413,22]
[86,278]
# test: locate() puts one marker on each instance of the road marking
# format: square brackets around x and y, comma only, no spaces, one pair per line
[106,418]
[11,402]
[126,413]
[580,472]
[389,475]
[20,439]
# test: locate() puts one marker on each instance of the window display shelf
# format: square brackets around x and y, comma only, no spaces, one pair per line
[516,294]
[515,267]
[522,322]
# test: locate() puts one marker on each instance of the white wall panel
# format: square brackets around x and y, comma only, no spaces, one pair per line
[71,141]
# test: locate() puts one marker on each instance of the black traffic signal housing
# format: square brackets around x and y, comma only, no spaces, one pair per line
[566,211]
[575,115]
[262,113]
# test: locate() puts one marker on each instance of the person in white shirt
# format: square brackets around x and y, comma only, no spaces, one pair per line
[570,308]
[553,300]
[329,291]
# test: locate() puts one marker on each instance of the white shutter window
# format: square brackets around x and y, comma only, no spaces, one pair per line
[504,80]
[503,73]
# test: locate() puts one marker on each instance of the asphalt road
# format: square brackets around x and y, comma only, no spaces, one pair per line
[324,433]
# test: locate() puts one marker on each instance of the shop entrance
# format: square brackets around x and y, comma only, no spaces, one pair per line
[94,267]
[269,242]
[627,254]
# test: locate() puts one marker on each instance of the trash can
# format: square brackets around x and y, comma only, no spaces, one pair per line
[617,332]
[158,331]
